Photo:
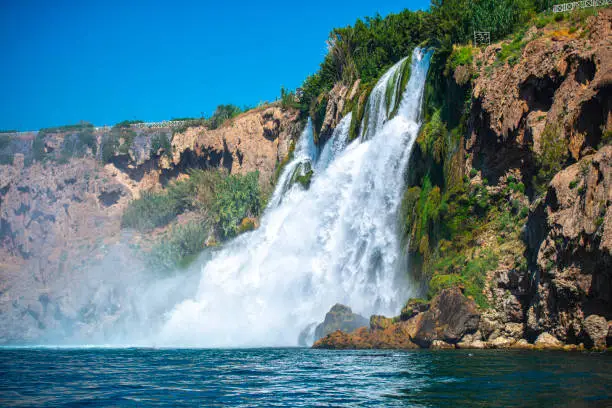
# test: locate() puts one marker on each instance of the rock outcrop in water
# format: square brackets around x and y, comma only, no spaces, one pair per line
[444,322]
[341,318]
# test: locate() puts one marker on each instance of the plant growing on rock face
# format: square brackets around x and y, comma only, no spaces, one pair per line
[432,138]
[552,157]
[236,198]
[606,138]
[288,99]
[109,147]
[222,114]
[150,211]
[179,246]
[161,141]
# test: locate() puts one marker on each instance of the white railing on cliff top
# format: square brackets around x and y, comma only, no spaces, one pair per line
[559,8]
[162,124]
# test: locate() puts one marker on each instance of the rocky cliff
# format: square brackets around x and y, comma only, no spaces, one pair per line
[522,165]
[60,217]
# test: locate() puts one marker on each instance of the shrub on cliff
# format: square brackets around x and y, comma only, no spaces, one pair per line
[179,246]
[236,198]
[161,141]
[552,157]
[223,113]
[287,99]
[150,211]
[221,200]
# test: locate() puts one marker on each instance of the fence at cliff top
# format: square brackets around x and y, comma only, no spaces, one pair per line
[559,8]
[163,124]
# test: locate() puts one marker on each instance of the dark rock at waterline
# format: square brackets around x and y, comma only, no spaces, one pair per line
[440,324]
[341,318]
[450,316]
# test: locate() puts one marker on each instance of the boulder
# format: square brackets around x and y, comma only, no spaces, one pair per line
[412,308]
[378,322]
[522,344]
[476,344]
[501,342]
[450,316]
[513,330]
[596,331]
[548,341]
[341,318]
[441,345]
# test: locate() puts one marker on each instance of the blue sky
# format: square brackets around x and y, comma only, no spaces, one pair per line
[106,61]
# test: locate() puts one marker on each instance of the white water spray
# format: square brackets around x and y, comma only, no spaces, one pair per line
[335,242]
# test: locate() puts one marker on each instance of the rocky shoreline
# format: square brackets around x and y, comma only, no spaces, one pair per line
[454,321]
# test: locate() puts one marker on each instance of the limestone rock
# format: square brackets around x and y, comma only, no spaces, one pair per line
[596,330]
[412,308]
[574,249]
[548,341]
[341,318]
[501,342]
[441,345]
[522,344]
[450,316]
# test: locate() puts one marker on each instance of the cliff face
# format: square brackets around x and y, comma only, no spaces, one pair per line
[61,243]
[556,97]
[534,157]
[560,79]
[255,141]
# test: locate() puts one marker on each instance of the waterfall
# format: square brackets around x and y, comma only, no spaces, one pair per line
[336,241]
[382,99]
[335,144]
[304,155]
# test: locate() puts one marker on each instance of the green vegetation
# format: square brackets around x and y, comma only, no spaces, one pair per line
[161,141]
[150,211]
[401,78]
[127,123]
[223,113]
[5,141]
[511,51]
[179,246]
[68,128]
[236,198]
[38,147]
[6,155]
[461,55]
[552,157]
[281,165]
[606,138]
[288,99]
[77,144]
[219,199]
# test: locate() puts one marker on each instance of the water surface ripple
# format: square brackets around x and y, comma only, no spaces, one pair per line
[302,377]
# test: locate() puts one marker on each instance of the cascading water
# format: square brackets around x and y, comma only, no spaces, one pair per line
[304,155]
[335,242]
[335,144]
[382,98]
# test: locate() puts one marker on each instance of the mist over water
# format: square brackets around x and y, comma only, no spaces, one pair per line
[335,242]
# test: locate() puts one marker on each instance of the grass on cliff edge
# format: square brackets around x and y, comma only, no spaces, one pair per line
[221,199]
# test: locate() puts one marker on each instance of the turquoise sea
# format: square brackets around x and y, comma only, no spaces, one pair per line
[302,377]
